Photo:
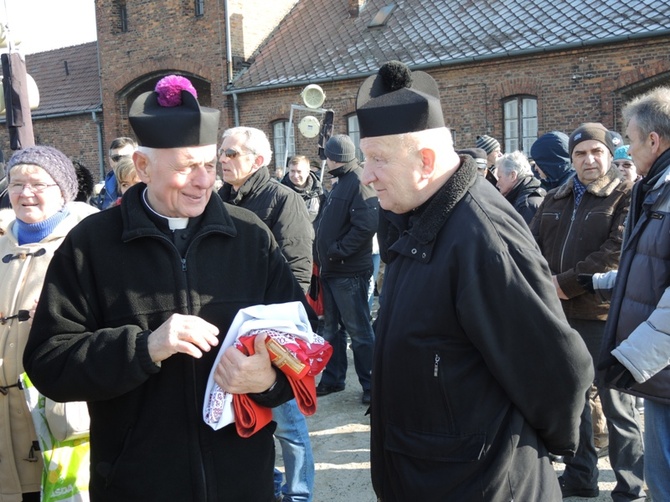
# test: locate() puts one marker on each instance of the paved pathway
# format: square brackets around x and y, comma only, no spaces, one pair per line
[340,436]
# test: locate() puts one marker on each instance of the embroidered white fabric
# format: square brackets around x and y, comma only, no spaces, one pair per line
[288,317]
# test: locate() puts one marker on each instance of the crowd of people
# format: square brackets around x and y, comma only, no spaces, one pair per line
[523,313]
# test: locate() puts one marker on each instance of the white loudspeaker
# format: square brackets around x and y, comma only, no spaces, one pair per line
[309,126]
[313,96]
[33,94]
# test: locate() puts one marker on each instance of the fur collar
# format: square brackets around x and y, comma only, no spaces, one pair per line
[602,187]
[438,209]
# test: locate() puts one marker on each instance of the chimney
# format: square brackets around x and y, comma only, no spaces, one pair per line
[355,7]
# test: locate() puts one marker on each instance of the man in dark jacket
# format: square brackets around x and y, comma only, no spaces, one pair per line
[135,300]
[469,391]
[344,253]
[579,228]
[247,183]
[636,344]
[306,184]
[516,182]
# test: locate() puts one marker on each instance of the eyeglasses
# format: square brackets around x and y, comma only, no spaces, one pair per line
[231,154]
[33,187]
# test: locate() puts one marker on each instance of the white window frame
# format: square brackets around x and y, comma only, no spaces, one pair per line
[279,142]
[354,132]
[520,123]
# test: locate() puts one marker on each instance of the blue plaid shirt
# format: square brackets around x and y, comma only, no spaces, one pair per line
[579,189]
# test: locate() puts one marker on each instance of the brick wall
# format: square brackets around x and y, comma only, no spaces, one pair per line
[571,87]
[167,36]
[588,84]
[76,136]
[162,37]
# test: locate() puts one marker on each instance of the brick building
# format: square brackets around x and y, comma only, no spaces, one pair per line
[509,68]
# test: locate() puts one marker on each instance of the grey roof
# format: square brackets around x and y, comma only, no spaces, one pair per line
[67,79]
[319,41]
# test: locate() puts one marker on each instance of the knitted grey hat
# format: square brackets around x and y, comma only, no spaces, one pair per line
[340,148]
[487,143]
[54,162]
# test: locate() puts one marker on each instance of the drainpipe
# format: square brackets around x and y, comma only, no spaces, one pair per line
[229,65]
[101,152]
[236,110]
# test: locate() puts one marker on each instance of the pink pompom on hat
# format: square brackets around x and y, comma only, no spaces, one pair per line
[169,90]
[171,117]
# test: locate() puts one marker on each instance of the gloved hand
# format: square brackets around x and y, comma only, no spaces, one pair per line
[616,373]
[586,281]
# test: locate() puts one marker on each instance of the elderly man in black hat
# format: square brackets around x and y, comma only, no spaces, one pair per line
[136,299]
[470,393]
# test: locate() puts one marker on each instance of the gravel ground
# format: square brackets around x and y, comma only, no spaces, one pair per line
[340,436]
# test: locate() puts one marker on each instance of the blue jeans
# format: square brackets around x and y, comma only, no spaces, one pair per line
[345,302]
[657,449]
[297,453]
[376,260]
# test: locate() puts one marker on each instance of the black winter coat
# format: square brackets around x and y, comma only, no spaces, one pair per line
[284,212]
[117,277]
[312,194]
[476,372]
[347,224]
[526,197]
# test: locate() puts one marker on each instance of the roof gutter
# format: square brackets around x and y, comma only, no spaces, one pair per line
[67,114]
[454,62]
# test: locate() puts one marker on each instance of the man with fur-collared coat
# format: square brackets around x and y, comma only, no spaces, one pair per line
[470,389]
[579,228]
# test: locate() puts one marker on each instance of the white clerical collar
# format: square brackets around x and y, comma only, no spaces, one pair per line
[173,223]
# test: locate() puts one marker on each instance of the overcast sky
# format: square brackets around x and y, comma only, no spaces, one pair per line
[42,25]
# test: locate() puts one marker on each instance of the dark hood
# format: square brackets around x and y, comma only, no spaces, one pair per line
[550,153]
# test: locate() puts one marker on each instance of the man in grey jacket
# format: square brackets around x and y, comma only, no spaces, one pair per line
[636,344]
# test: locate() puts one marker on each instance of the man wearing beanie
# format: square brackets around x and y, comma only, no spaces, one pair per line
[459,411]
[134,305]
[579,229]
[492,148]
[552,159]
[344,255]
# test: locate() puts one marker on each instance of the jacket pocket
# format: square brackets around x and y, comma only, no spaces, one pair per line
[434,446]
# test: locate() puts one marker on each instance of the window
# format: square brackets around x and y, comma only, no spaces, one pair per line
[353,130]
[520,117]
[279,139]
[382,16]
[199,8]
[123,15]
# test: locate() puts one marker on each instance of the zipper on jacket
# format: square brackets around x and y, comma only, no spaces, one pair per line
[565,241]
[436,366]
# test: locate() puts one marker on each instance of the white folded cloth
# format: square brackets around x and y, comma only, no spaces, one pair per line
[288,317]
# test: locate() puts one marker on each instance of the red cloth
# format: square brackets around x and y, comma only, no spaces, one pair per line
[250,417]
[297,359]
